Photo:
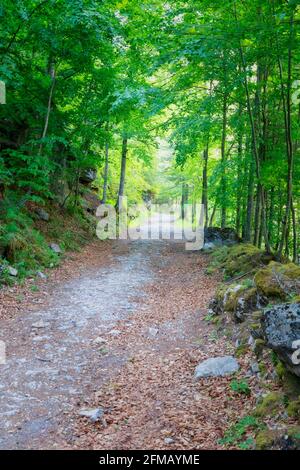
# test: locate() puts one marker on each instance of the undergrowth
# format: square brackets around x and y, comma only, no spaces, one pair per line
[24,239]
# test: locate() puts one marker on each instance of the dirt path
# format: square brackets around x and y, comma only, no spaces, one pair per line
[146,301]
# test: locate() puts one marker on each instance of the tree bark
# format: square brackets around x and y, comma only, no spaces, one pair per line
[205,186]
[123,170]
[286,101]
[105,175]
[53,78]
[223,160]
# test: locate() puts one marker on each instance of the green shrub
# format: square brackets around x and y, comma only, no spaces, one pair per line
[240,387]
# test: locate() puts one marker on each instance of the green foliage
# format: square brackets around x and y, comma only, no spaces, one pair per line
[238,434]
[240,387]
[212,83]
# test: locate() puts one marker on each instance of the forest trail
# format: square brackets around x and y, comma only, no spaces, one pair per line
[147,300]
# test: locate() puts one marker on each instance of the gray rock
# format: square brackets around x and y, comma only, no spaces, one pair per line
[254,368]
[88,176]
[42,214]
[12,271]
[99,340]
[153,332]
[209,246]
[217,367]
[169,440]
[39,324]
[39,339]
[41,275]
[94,414]
[281,330]
[56,248]
[220,236]
[115,332]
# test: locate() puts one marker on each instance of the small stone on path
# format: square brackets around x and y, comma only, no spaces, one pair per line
[39,324]
[94,414]
[217,367]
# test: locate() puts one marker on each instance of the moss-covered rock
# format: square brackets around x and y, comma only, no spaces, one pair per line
[238,299]
[270,404]
[258,347]
[275,439]
[278,280]
[241,350]
[265,439]
[239,259]
[280,370]
[293,409]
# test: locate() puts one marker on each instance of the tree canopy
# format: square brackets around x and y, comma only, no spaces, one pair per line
[99,85]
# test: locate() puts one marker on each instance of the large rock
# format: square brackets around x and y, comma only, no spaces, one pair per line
[278,280]
[281,328]
[239,299]
[239,259]
[214,236]
[42,214]
[55,248]
[94,414]
[217,367]
[12,271]
[88,176]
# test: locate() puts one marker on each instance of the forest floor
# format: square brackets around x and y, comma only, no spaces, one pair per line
[119,326]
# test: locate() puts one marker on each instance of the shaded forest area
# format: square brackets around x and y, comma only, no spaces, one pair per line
[91,86]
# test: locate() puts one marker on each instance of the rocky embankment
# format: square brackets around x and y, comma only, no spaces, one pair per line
[260,300]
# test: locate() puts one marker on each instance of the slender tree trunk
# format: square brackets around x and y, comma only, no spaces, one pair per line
[239,178]
[271,215]
[204,186]
[184,198]
[46,124]
[255,151]
[223,160]
[105,176]
[295,241]
[249,213]
[257,214]
[254,139]
[286,101]
[211,221]
[123,170]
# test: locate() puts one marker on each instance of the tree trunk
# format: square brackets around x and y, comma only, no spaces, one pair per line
[295,241]
[288,132]
[105,176]
[255,151]
[211,221]
[53,77]
[223,160]
[123,171]
[249,212]
[257,214]
[204,186]
[239,178]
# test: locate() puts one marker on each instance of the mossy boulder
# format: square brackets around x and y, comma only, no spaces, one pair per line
[293,408]
[278,280]
[270,405]
[265,439]
[275,439]
[258,347]
[239,259]
[238,299]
